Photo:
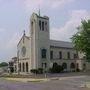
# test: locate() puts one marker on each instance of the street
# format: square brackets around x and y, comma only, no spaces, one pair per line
[71,83]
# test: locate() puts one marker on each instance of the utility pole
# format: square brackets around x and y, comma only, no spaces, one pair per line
[18,62]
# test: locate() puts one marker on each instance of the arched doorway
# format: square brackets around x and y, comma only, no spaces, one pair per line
[55,64]
[20,67]
[26,66]
[23,67]
[64,65]
[72,66]
[77,67]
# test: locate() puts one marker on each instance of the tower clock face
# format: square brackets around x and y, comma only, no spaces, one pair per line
[23,51]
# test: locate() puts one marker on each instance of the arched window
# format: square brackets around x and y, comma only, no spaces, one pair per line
[46,26]
[43,26]
[64,65]
[60,55]
[43,53]
[51,54]
[32,27]
[26,66]
[72,66]
[68,55]
[20,67]
[40,24]
[23,66]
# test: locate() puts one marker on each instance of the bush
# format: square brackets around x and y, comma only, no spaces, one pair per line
[40,70]
[34,71]
[37,71]
[56,68]
[78,70]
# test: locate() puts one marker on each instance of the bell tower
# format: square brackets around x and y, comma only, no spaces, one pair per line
[40,47]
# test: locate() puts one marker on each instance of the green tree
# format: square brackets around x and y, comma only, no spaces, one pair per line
[2,64]
[81,39]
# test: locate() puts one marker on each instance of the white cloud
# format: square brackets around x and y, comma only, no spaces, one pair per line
[65,32]
[33,5]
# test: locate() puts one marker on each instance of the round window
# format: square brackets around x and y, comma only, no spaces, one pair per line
[23,51]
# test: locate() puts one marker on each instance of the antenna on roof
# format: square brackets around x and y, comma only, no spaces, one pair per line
[24,33]
[39,11]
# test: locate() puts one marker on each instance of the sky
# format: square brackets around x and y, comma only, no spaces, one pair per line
[65,16]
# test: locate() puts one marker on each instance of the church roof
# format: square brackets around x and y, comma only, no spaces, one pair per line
[62,44]
[27,37]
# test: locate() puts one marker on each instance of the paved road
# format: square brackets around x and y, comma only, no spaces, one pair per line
[65,84]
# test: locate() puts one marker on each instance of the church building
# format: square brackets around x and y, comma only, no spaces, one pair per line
[38,51]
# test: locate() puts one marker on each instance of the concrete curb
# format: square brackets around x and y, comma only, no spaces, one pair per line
[38,80]
[27,79]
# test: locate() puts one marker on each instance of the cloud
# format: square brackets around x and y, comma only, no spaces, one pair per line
[36,4]
[65,32]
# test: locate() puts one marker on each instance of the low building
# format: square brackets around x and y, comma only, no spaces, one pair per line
[12,68]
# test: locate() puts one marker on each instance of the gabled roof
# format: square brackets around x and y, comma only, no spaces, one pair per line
[63,44]
[24,36]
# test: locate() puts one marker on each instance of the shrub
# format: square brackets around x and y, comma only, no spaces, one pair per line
[56,68]
[37,71]
[78,70]
[34,71]
[40,70]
